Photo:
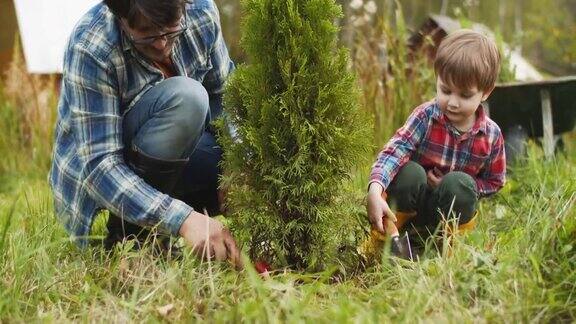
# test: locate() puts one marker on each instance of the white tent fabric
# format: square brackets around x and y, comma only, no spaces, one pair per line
[45,26]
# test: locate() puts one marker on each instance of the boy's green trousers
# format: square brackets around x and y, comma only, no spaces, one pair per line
[455,197]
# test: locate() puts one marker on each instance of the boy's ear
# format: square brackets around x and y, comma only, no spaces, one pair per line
[487,93]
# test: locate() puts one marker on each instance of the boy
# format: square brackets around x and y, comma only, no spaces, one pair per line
[449,153]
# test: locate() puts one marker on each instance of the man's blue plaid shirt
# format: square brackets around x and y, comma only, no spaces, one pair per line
[103,78]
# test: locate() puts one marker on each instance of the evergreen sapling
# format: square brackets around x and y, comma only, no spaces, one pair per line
[298,134]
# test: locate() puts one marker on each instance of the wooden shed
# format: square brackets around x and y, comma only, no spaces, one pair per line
[436,27]
[8,29]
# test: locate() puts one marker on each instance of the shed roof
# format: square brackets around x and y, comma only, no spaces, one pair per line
[523,69]
[45,26]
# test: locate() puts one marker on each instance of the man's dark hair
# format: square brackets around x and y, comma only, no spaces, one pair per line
[162,13]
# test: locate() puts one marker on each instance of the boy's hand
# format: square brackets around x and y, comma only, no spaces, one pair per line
[209,239]
[434,177]
[378,208]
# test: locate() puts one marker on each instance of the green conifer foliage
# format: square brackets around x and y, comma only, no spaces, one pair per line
[299,134]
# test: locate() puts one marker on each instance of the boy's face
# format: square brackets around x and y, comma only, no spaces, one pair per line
[459,105]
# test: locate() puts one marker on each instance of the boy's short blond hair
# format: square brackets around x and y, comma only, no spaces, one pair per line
[467,59]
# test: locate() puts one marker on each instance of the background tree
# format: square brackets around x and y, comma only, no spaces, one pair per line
[299,134]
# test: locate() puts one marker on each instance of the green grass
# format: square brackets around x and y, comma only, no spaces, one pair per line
[518,266]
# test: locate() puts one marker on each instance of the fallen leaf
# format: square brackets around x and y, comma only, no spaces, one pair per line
[164,310]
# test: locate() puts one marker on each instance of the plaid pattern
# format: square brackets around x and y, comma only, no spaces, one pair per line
[428,139]
[103,78]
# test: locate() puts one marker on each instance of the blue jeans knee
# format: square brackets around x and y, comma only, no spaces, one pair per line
[169,119]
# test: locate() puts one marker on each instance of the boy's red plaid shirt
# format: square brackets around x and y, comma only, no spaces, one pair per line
[429,139]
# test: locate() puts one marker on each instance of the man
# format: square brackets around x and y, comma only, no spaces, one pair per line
[142,80]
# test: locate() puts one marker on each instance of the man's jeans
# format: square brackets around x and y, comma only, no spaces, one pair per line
[455,196]
[166,131]
[169,123]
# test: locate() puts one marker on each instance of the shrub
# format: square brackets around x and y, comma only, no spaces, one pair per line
[299,134]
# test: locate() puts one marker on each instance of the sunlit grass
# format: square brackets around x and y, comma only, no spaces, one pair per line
[518,265]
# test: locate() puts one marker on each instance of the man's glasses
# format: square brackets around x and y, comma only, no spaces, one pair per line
[170,36]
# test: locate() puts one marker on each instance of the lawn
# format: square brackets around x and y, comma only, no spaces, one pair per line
[518,266]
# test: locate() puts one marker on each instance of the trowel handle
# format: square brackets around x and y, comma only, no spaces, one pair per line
[389,225]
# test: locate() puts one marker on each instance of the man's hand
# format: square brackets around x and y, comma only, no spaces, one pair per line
[378,208]
[209,239]
[434,177]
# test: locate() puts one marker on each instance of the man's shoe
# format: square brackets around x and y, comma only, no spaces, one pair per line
[120,230]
